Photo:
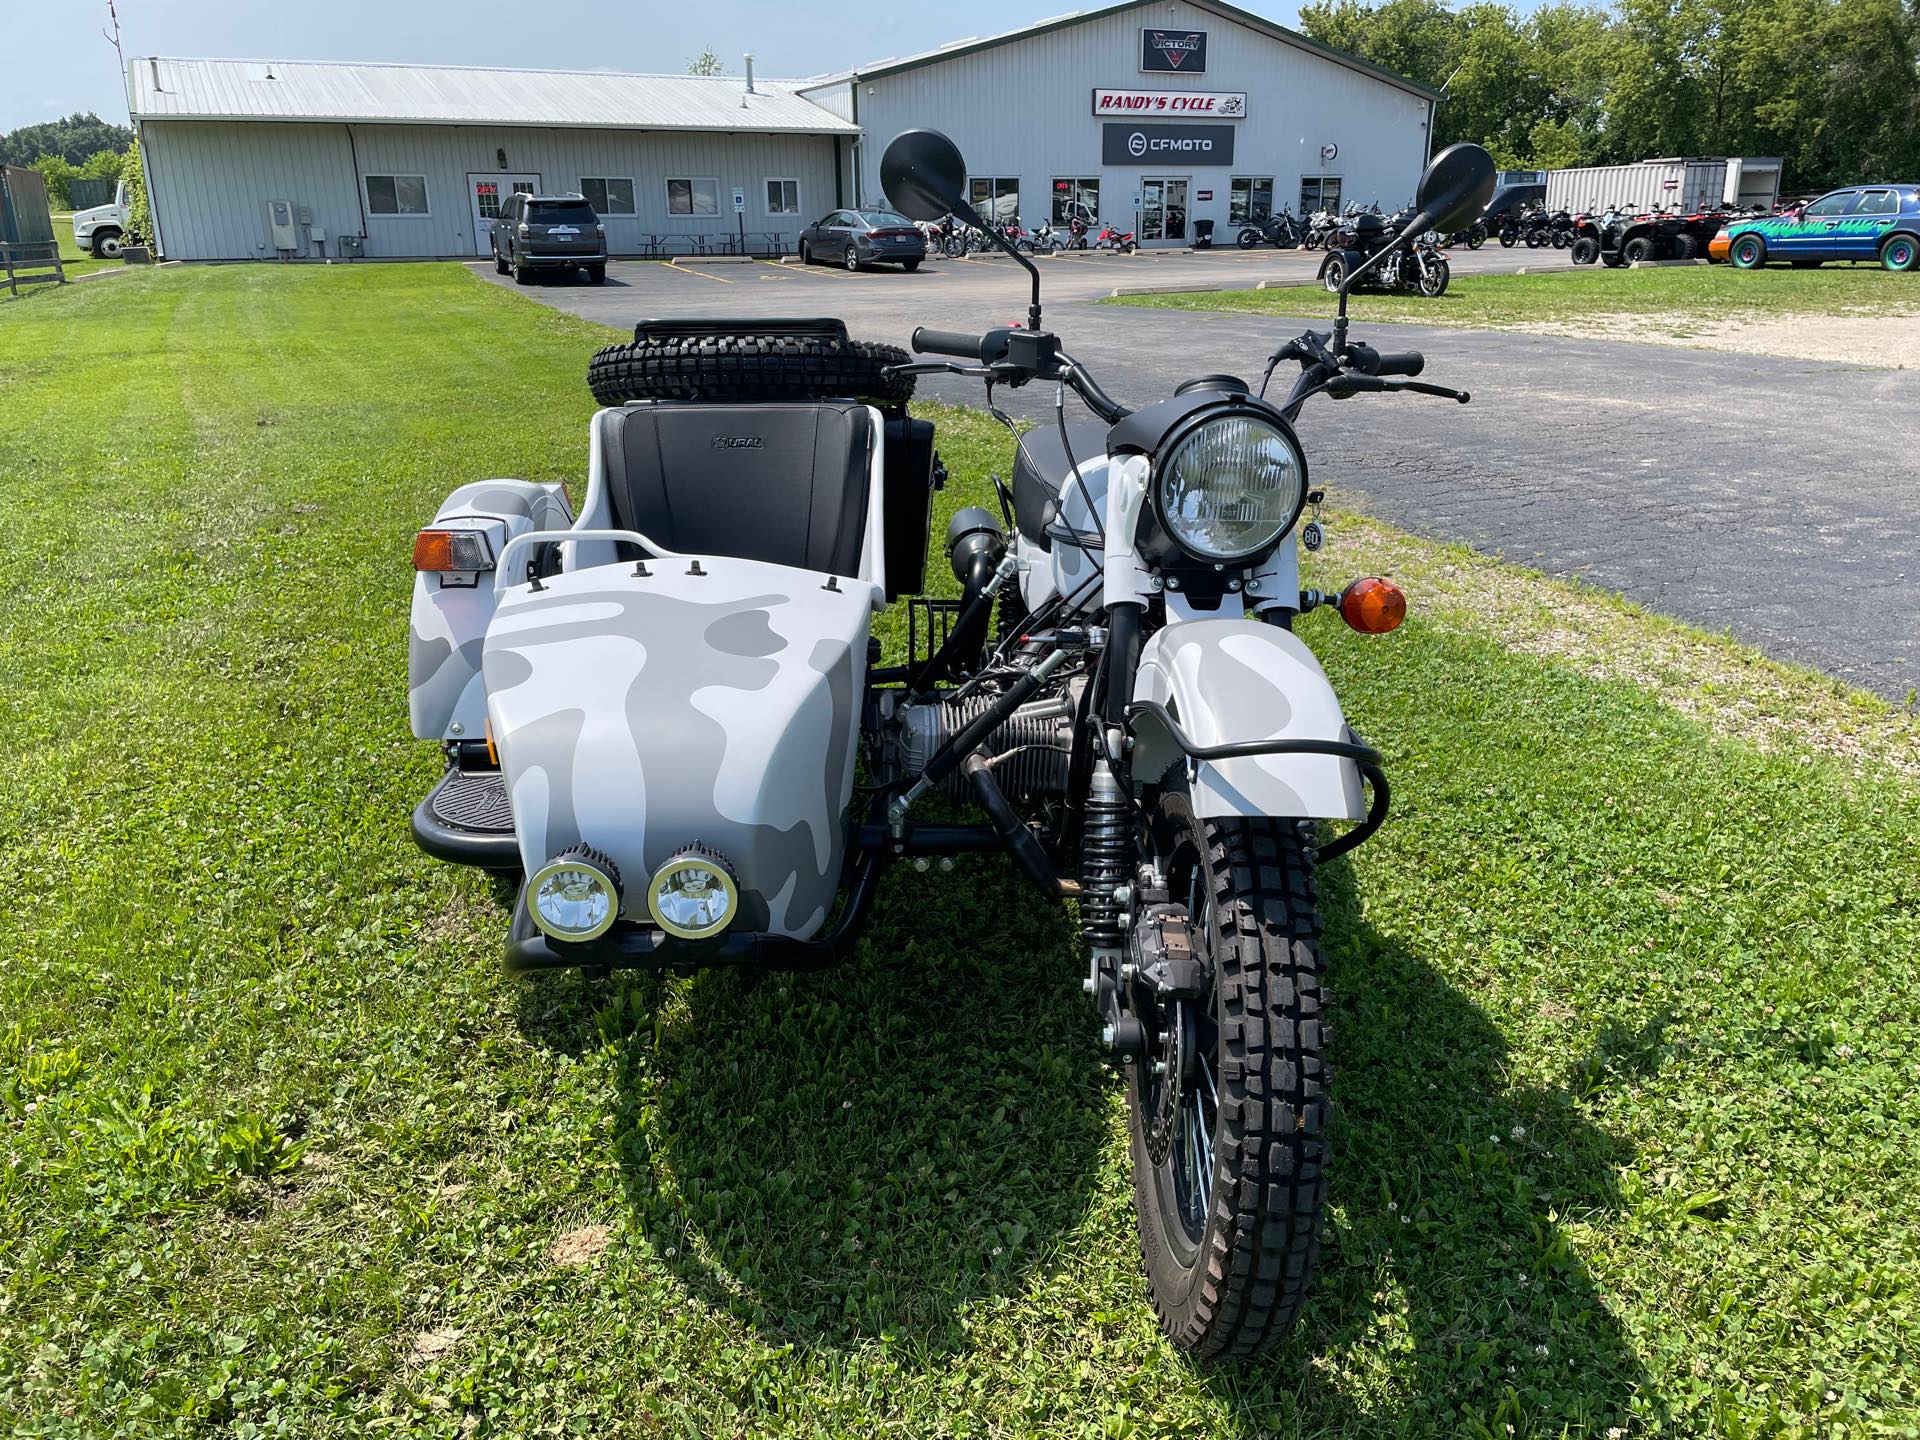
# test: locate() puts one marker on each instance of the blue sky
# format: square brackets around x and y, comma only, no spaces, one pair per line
[53,60]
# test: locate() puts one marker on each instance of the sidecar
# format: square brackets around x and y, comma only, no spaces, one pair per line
[650,708]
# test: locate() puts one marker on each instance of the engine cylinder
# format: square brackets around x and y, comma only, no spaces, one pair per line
[1028,754]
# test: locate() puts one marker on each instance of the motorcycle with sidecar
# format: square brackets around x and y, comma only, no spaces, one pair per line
[665,712]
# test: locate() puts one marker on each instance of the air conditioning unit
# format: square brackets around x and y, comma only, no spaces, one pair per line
[280,225]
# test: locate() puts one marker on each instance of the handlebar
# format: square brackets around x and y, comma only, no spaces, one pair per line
[1370,361]
[947,342]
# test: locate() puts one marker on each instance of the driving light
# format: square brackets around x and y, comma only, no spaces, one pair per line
[694,894]
[576,895]
[1373,606]
[1231,487]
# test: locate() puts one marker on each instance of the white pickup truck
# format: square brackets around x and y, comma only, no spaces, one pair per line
[102,230]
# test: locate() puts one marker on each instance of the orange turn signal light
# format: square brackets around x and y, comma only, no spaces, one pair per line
[1373,606]
[451,551]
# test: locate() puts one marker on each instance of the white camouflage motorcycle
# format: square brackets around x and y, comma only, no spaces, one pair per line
[655,710]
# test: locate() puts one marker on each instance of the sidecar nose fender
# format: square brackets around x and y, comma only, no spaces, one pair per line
[1233,680]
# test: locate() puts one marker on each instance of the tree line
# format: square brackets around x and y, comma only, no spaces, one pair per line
[80,147]
[1830,86]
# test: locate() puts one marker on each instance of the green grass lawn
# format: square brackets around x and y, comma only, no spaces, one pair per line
[1627,1006]
[1684,296]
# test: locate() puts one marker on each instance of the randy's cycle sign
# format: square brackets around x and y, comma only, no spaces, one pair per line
[1170,52]
[1201,104]
[1166,144]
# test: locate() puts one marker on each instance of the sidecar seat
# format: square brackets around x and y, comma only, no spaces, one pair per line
[782,482]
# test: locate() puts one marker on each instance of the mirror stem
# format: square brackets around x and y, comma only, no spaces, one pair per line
[992,232]
[1417,226]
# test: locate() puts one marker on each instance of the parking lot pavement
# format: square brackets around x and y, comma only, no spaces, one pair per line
[1775,499]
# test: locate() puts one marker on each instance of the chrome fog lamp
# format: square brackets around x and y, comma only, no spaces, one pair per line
[576,895]
[694,894]
[1230,487]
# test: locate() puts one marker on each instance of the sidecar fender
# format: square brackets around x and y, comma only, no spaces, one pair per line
[445,699]
[1232,680]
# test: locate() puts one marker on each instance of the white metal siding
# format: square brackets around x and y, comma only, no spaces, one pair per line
[212,179]
[1688,184]
[1025,109]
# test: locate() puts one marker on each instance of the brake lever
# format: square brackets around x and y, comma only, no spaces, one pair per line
[1347,384]
[939,367]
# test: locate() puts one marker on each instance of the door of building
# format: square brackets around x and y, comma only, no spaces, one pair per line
[484,193]
[1163,209]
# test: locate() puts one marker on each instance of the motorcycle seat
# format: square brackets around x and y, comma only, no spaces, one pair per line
[781,482]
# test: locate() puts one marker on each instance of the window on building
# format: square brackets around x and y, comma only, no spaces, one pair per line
[997,201]
[396,195]
[1250,200]
[693,197]
[608,196]
[1076,199]
[1319,192]
[783,197]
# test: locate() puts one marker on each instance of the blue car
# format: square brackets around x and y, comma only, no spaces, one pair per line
[1863,222]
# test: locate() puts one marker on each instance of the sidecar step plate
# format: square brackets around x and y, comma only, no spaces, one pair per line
[472,801]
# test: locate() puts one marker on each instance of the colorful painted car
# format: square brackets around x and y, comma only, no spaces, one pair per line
[1861,223]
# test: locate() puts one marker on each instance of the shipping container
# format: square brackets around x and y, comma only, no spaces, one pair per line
[1676,183]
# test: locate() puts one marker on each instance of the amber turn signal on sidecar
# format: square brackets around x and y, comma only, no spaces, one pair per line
[1373,606]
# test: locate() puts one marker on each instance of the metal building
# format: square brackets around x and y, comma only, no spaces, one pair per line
[263,160]
[1154,113]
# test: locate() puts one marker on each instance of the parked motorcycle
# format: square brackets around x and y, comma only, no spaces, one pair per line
[1390,255]
[1279,231]
[1112,237]
[1047,240]
[1319,228]
[1077,233]
[1473,237]
[656,713]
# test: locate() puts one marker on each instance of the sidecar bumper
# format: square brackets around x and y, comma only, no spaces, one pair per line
[637,947]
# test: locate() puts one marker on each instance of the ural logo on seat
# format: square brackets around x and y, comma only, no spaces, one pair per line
[736,442]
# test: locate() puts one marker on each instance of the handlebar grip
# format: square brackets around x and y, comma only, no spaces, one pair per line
[948,342]
[1370,361]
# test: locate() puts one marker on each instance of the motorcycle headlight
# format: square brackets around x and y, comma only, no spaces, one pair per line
[1230,487]
[576,895]
[694,894]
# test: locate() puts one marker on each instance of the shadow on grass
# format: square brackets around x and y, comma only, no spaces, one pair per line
[856,1153]
[1450,1299]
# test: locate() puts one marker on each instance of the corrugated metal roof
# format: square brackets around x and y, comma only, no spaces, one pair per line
[1080,17]
[164,89]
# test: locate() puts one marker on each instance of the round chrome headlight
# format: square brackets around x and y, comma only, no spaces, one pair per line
[694,894]
[1230,487]
[576,895]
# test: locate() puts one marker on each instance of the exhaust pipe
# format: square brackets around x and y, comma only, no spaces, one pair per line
[977,551]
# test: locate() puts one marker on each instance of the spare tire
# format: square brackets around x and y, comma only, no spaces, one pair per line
[748,367]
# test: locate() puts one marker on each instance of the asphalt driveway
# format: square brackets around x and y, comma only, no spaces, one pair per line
[1778,500]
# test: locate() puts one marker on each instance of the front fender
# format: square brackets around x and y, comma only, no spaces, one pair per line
[1233,680]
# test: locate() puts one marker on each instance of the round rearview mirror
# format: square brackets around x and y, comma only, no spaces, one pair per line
[923,173]
[1456,187]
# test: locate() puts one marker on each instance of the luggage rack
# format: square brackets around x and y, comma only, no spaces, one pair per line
[929,623]
[680,329]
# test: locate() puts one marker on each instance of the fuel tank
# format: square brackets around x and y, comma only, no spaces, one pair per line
[714,701]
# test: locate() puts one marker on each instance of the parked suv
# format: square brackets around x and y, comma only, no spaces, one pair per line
[548,232]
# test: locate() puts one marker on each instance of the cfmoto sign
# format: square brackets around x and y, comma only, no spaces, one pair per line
[1166,144]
